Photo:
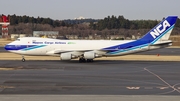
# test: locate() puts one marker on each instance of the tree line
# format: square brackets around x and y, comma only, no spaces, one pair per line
[39,20]
[120,22]
[14,20]
[112,22]
[118,26]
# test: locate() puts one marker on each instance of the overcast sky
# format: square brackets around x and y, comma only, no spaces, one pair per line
[97,9]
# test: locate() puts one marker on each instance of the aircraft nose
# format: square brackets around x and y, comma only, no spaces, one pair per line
[9,47]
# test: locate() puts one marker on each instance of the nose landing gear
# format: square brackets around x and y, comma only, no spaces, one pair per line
[23,59]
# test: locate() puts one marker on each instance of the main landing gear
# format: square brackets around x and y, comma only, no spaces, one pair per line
[23,59]
[82,59]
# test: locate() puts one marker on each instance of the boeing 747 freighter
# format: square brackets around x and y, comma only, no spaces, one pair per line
[87,50]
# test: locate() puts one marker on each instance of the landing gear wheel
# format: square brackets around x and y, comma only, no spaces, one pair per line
[23,60]
[89,60]
[82,60]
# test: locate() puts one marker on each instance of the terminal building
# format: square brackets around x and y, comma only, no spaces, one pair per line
[15,36]
[46,34]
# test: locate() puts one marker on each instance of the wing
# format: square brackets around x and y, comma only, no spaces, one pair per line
[76,52]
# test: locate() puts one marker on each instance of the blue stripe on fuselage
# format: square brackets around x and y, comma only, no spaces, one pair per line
[33,47]
[22,47]
[15,47]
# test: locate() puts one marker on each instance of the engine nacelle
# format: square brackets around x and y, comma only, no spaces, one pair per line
[67,56]
[91,55]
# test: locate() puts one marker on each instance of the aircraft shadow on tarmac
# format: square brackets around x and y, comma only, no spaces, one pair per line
[94,62]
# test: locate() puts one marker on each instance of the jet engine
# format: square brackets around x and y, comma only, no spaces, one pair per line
[91,55]
[67,56]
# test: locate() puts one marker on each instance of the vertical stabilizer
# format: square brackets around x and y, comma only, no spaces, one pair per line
[162,31]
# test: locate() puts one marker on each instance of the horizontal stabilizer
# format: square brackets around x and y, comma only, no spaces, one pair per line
[161,43]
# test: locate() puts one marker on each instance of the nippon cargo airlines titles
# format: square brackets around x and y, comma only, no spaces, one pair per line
[87,50]
[46,42]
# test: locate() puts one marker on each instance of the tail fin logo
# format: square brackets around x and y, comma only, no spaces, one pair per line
[160,29]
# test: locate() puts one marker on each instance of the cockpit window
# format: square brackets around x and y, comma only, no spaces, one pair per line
[17,39]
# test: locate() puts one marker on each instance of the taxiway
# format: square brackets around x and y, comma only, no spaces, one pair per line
[99,78]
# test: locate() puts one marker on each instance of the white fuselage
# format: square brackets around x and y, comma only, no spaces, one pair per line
[52,45]
[46,46]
